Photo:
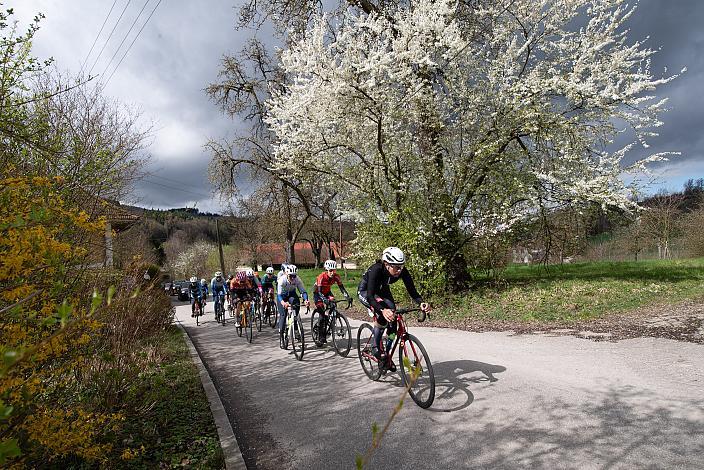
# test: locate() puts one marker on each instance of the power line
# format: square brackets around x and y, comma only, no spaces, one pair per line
[96,38]
[125,37]
[176,188]
[132,43]
[152,175]
[109,36]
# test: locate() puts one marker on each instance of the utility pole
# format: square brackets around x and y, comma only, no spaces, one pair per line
[342,259]
[222,258]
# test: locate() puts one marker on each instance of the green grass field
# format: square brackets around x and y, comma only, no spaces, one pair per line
[578,291]
[353,275]
[562,293]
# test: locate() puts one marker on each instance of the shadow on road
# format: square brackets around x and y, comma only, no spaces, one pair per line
[452,382]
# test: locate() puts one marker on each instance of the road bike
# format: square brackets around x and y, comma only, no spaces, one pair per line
[219,305]
[336,325]
[412,357]
[293,330]
[244,311]
[257,309]
[270,312]
[198,311]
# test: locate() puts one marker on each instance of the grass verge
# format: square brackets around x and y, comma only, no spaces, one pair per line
[576,292]
[170,424]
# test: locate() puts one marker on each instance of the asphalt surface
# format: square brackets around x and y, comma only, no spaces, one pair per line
[502,401]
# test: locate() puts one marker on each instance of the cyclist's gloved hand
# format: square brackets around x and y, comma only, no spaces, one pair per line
[388,314]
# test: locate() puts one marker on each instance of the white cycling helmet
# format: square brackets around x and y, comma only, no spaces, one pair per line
[194,279]
[249,272]
[203,281]
[330,265]
[218,273]
[291,269]
[270,270]
[393,255]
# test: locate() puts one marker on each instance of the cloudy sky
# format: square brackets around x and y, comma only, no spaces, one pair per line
[178,51]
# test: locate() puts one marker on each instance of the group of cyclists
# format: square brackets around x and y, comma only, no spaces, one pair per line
[373,291]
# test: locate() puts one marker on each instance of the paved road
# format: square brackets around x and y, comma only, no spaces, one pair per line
[503,401]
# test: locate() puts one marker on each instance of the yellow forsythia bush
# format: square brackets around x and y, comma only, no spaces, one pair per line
[44,328]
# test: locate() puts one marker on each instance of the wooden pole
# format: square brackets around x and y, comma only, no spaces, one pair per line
[222,258]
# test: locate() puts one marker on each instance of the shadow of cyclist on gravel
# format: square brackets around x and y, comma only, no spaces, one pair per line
[453,379]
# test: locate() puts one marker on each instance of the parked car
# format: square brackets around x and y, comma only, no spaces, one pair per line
[183,291]
[174,287]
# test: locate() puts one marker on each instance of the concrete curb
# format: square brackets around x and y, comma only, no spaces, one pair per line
[228,441]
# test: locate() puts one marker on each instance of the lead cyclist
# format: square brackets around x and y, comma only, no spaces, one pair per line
[374,293]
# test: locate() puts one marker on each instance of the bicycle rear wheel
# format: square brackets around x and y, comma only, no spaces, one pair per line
[365,343]
[341,335]
[258,316]
[422,390]
[197,315]
[298,340]
[273,314]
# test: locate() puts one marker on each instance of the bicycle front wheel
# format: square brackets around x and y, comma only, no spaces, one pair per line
[240,320]
[341,335]
[298,340]
[422,389]
[365,344]
[249,324]
[314,333]
[273,314]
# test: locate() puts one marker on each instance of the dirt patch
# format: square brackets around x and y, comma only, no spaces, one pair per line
[683,321]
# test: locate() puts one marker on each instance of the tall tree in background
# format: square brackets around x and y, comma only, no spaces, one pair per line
[491,110]
[248,161]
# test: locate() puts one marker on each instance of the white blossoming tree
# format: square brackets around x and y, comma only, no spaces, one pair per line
[473,115]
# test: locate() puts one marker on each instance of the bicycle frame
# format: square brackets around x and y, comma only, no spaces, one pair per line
[219,299]
[401,337]
[243,306]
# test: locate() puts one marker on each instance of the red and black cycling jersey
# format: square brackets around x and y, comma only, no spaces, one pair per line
[376,281]
[241,286]
[323,284]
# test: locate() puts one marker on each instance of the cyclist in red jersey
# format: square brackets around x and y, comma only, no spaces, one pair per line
[240,287]
[323,290]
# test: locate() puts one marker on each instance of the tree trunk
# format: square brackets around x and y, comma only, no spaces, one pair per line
[447,241]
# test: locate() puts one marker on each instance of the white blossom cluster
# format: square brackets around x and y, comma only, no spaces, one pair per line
[522,99]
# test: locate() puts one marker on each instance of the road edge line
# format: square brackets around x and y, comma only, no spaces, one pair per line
[228,442]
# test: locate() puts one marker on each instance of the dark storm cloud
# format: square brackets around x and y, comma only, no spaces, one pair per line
[675,29]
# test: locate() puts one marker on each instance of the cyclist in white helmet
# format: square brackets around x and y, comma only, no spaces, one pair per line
[195,294]
[218,289]
[374,292]
[289,286]
[268,281]
[322,290]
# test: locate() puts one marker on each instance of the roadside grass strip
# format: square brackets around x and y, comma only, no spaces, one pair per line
[580,291]
[171,424]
